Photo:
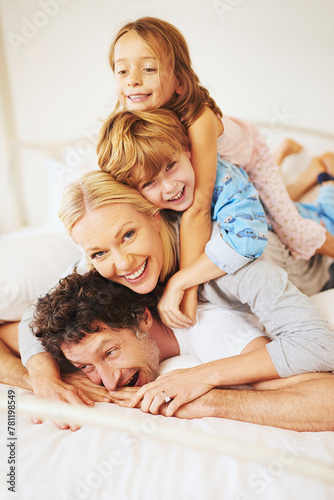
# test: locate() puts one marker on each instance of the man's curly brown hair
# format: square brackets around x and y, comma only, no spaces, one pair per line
[76,306]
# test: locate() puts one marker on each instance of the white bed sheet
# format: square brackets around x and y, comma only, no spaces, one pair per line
[98,463]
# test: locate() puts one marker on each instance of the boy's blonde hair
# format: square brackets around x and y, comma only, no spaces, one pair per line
[95,189]
[147,140]
[170,47]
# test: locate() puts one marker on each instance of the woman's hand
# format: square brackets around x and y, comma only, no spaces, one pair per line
[181,386]
[169,305]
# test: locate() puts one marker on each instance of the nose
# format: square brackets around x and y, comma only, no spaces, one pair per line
[109,376]
[134,78]
[122,260]
[168,186]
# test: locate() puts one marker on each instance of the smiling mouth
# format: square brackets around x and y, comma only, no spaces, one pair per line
[138,273]
[133,380]
[137,96]
[178,196]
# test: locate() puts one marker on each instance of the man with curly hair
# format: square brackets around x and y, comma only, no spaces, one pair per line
[116,338]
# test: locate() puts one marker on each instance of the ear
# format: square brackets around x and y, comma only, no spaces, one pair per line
[179,88]
[147,321]
[188,153]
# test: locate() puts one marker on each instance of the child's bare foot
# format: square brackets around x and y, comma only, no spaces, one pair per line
[286,148]
[328,161]
[315,168]
[306,180]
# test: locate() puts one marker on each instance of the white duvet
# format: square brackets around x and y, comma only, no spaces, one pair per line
[128,455]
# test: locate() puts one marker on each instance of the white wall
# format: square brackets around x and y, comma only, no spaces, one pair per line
[265,61]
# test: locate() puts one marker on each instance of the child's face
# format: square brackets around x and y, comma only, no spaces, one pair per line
[173,188]
[139,84]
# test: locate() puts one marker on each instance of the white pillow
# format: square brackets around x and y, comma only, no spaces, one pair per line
[325,302]
[29,265]
[177,362]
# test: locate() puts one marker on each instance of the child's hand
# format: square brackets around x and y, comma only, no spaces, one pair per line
[169,305]
[189,304]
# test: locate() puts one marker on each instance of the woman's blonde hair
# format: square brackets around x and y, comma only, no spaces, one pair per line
[145,139]
[95,189]
[170,47]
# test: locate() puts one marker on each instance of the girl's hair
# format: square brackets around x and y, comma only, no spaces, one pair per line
[169,46]
[145,139]
[96,189]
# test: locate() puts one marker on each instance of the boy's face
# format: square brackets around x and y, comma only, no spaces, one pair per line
[139,84]
[173,187]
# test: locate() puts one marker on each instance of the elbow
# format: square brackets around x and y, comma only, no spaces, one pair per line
[260,250]
[254,252]
[259,244]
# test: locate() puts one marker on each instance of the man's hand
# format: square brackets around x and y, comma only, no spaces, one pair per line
[93,392]
[123,395]
[57,390]
[46,383]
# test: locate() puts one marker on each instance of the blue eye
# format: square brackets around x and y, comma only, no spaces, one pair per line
[96,255]
[128,235]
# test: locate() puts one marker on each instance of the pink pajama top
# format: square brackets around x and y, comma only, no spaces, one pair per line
[243,144]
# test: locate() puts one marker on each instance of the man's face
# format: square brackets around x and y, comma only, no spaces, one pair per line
[116,358]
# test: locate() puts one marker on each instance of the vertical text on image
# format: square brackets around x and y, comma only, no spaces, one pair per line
[11,440]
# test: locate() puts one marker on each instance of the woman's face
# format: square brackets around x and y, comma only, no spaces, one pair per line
[123,245]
